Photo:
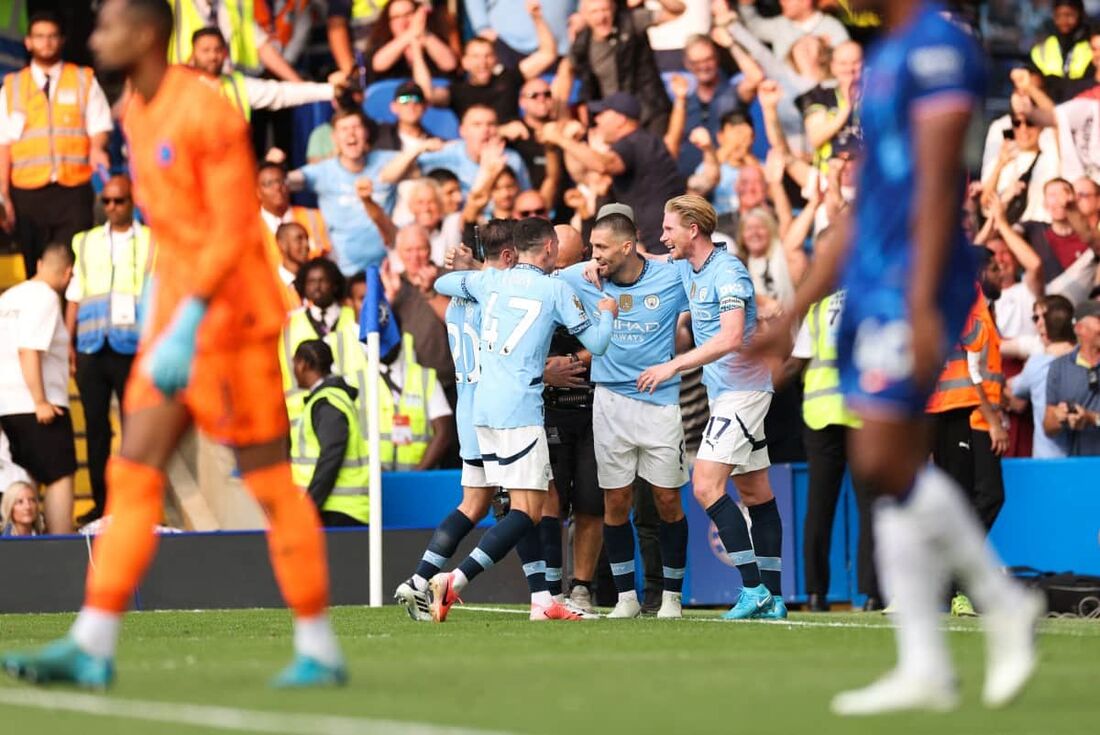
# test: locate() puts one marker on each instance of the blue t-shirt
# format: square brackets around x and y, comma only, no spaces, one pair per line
[463,320]
[453,157]
[356,240]
[928,61]
[724,197]
[724,284]
[1031,384]
[644,333]
[520,309]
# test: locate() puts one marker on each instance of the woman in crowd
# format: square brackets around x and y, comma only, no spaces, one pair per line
[406,29]
[20,511]
[775,265]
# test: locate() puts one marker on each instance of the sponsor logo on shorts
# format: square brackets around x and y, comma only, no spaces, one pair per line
[652,301]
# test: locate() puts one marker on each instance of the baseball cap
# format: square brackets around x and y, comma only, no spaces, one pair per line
[1087,308]
[624,209]
[409,89]
[623,103]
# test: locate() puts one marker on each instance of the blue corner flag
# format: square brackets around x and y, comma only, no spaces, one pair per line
[377,316]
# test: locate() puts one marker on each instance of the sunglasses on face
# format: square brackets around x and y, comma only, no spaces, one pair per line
[407,99]
[541,94]
[531,212]
[1020,122]
[108,201]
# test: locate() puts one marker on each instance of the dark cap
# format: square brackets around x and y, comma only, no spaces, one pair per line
[623,103]
[409,89]
[1077,5]
[1087,308]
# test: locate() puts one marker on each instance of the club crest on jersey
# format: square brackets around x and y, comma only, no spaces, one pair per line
[165,153]
[626,302]
[577,303]
[652,301]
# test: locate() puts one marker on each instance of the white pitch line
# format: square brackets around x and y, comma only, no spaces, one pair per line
[222,718]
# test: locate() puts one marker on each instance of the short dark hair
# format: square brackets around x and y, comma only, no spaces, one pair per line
[270,166]
[316,355]
[443,175]
[44,16]
[479,106]
[531,233]
[338,282]
[284,228]
[156,13]
[343,112]
[618,225]
[208,31]
[1058,319]
[498,236]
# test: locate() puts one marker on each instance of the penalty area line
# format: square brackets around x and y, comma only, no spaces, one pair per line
[221,718]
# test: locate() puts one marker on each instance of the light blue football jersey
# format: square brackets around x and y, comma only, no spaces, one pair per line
[520,308]
[463,320]
[721,285]
[643,335]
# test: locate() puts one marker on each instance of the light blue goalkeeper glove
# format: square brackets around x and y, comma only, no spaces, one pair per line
[169,364]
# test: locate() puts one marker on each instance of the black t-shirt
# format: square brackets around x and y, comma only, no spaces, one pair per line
[501,94]
[825,98]
[533,154]
[651,178]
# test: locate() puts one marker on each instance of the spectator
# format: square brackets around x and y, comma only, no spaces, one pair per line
[45,166]
[531,204]
[775,266]
[1065,54]
[287,24]
[1056,320]
[251,50]
[9,471]
[20,514]
[34,382]
[406,30]
[351,204]
[1073,388]
[611,54]
[514,34]
[413,260]
[670,33]
[425,203]
[320,144]
[103,315]
[644,173]
[1027,93]
[487,82]
[720,169]
[543,161]
[450,188]
[209,55]
[708,104]
[276,209]
[328,454]
[293,243]
[1022,170]
[830,111]
[1066,239]
[1086,193]
[799,18]
[494,195]
[408,107]
[348,26]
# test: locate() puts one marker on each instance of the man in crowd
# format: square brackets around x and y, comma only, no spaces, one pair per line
[711,100]
[1066,238]
[292,240]
[1056,330]
[412,252]
[798,18]
[425,201]
[34,382]
[104,316]
[408,107]
[543,161]
[1073,388]
[644,173]
[513,33]
[276,209]
[54,124]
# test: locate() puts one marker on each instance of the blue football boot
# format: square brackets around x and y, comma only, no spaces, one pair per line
[752,602]
[777,610]
[305,673]
[61,662]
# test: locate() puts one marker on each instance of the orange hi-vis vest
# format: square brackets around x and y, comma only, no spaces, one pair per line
[54,144]
[988,344]
[955,388]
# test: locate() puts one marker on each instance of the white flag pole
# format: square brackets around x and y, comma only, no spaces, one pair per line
[374,438]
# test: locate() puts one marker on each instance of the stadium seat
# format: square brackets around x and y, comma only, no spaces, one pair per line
[439,121]
[574,93]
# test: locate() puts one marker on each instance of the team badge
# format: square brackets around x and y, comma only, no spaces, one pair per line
[165,153]
[626,302]
[652,301]
[703,294]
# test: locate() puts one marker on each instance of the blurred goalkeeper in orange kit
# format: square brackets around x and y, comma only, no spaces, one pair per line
[207,355]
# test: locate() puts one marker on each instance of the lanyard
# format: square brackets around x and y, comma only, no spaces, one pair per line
[133,256]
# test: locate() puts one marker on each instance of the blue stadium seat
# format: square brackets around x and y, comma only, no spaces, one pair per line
[439,121]
[574,93]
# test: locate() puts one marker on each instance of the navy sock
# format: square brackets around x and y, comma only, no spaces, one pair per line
[734,533]
[529,549]
[767,539]
[550,532]
[674,547]
[496,543]
[448,535]
[619,543]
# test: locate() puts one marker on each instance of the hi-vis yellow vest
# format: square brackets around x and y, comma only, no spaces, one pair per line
[54,144]
[1047,57]
[405,440]
[350,493]
[366,11]
[822,402]
[349,358]
[99,277]
[233,89]
[242,38]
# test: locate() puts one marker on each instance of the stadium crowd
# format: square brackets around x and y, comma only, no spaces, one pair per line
[434,119]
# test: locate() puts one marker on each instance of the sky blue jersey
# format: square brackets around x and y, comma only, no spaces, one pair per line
[723,284]
[644,333]
[520,308]
[463,320]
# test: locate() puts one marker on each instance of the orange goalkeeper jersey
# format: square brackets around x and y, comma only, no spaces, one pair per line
[194,178]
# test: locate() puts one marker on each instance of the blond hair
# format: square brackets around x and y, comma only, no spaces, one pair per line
[694,210]
[8,503]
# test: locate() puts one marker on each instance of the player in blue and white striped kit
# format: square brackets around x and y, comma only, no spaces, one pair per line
[463,319]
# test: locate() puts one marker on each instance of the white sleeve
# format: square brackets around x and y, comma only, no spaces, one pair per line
[437,404]
[269,94]
[6,133]
[974,365]
[97,115]
[803,347]
[38,314]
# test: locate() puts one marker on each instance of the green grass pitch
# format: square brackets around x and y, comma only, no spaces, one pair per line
[494,671]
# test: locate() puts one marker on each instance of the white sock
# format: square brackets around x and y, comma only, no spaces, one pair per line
[313,637]
[542,599]
[458,580]
[913,578]
[419,583]
[628,596]
[96,632]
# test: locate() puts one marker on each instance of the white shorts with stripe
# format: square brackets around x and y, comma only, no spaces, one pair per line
[635,438]
[515,459]
[734,435]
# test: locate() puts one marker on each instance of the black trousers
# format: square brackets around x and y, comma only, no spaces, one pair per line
[827,455]
[53,213]
[988,494]
[967,456]
[98,377]
[335,519]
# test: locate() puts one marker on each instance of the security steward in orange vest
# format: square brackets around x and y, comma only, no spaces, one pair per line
[54,124]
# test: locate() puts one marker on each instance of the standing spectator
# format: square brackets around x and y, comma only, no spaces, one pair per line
[708,104]
[408,107]
[250,48]
[645,175]
[513,33]
[34,382]
[450,188]
[669,34]
[348,26]
[1022,170]
[493,196]
[1056,318]
[611,54]
[718,173]
[1073,389]
[412,259]
[103,314]
[1065,54]
[1086,193]
[1066,238]
[20,513]
[406,29]
[328,455]
[54,124]
[425,203]
[775,264]
[830,110]
[293,243]
[543,161]
[276,209]
[799,18]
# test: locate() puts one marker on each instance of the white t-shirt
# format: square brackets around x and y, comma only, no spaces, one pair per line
[30,319]
[437,405]
[1014,310]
